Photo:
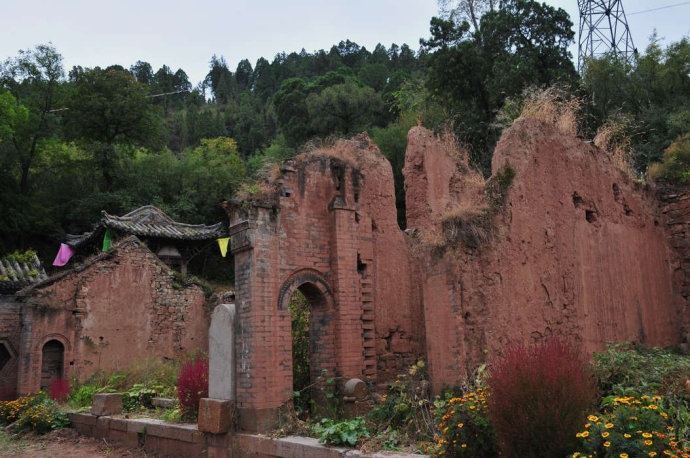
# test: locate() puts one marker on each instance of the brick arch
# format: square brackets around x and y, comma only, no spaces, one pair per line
[59,337]
[312,283]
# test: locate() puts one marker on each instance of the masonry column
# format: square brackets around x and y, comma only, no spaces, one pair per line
[262,361]
[349,345]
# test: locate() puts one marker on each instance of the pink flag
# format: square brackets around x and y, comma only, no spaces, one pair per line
[63,255]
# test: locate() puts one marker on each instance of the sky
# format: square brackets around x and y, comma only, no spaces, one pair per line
[184,35]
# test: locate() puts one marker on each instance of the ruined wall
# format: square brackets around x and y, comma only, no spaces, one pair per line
[676,208]
[326,226]
[10,325]
[118,307]
[577,249]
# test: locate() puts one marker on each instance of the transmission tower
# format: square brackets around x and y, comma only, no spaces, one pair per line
[603,30]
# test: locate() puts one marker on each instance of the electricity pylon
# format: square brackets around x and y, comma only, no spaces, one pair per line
[603,30]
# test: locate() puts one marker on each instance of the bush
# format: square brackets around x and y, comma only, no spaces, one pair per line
[346,432]
[538,398]
[675,165]
[192,385]
[83,396]
[463,427]
[33,412]
[59,390]
[11,411]
[630,427]
[407,404]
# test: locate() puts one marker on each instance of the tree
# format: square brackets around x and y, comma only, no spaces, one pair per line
[344,109]
[33,78]
[110,108]
[473,71]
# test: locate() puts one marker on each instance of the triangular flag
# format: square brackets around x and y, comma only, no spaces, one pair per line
[223,244]
[107,239]
[63,255]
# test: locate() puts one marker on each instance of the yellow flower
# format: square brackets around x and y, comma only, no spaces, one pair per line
[584,434]
[652,453]
[627,436]
[623,455]
[609,425]
[605,434]
[648,442]
[460,425]
[647,435]
[463,445]
[607,444]
[592,418]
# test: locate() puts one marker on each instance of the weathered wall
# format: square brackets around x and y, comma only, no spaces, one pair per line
[676,208]
[10,326]
[327,227]
[578,250]
[120,306]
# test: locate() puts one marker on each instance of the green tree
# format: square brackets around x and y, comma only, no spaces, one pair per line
[33,78]
[108,112]
[344,109]
[471,72]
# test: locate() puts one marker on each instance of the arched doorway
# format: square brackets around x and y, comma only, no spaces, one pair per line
[309,301]
[52,362]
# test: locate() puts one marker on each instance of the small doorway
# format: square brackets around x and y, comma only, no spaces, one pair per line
[53,355]
[313,350]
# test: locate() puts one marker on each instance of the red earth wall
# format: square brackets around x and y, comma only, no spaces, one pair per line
[578,250]
[121,306]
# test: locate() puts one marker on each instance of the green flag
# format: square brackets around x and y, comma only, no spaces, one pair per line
[107,239]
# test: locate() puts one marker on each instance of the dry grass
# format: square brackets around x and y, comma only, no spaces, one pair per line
[467,224]
[256,191]
[614,138]
[554,105]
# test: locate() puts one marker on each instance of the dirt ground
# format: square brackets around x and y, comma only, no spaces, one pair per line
[65,443]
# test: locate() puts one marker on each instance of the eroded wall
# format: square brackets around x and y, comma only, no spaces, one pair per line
[577,249]
[124,305]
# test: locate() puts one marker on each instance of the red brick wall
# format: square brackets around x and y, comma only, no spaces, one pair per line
[10,325]
[329,229]
[124,306]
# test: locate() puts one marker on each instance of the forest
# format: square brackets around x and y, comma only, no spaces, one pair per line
[77,141]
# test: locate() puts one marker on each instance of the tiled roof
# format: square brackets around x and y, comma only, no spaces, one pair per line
[14,276]
[148,221]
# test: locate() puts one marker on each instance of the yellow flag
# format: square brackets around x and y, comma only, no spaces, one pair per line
[223,244]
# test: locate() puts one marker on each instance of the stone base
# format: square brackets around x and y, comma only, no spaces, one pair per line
[215,415]
[106,404]
[258,420]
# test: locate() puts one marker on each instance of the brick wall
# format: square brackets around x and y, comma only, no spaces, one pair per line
[328,228]
[10,325]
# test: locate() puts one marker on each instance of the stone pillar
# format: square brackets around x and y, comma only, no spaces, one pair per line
[221,352]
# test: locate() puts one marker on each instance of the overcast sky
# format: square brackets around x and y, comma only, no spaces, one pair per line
[183,35]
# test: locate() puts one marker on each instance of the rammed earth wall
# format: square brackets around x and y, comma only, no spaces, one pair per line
[120,306]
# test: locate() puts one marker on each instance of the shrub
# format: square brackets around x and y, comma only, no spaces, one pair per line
[192,385]
[33,412]
[43,417]
[630,427]
[406,406]
[59,390]
[346,432]
[83,396]
[139,396]
[11,411]
[462,427]
[675,165]
[538,397]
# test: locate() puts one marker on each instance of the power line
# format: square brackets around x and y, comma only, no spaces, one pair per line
[148,97]
[660,8]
